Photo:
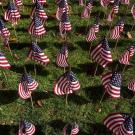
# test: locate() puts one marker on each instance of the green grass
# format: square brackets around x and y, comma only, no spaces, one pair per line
[82,106]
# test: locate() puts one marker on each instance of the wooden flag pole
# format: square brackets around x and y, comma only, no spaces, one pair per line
[102,97]
[66,99]
[96,69]
[35,70]
[124,69]
[115,48]
[31,93]
[90,48]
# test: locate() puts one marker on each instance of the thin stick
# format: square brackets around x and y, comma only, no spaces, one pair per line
[66,98]
[124,69]
[96,70]
[64,69]
[116,67]
[4,75]
[90,47]
[15,32]
[31,102]
[35,70]
[115,48]
[102,97]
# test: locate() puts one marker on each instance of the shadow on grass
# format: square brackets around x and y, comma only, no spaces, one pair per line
[81,30]
[84,45]
[59,46]
[89,69]
[79,100]
[25,16]
[13,130]
[40,70]
[7,96]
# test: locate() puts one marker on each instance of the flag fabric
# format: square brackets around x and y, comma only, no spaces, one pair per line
[61,59]
[38,55]
[92,32]
[87,9]
[62,7]
[18,2]
[101,53]
[71,129]
[39,11]
[114,11]
[115,32]
[64,24]
[131,85]
[127,55]
[81,2]
[12,14]
[4,62]
[4,32]
[26,128]
[133,11]
[42,2]
[26,86]
[125,2]
[112,84]
[66,84]
[36,27]
[104,3]
[119,123]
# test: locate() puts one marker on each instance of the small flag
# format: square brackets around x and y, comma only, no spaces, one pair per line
[66,84]
[26,128]
[112,84]
[114,11]
[18,2]
[26,86]
[39,11]
[131,85]
[4,32]
[127,55]
[38,55]
[81,2]
[12,14]
[71,129]
[36,27]
[125,2]
[61,59]
[92,32]
[115,32]
[42,2]
[119,123]
[87,9]
[4,62]
[133,11]
[104,3]
[64,24]
[101,53]
[62,7]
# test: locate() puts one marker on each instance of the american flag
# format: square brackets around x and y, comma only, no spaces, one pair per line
[81,2]
[126,56]
[104,3]
[38,55]
[87,9]
[112,84]
[4,62]
[4,32]
[102,54]
[39,11]
[36,27]
[66,84]
[12,14]
[42,2]
[71,129]
[131,85]
[26,86]
[115,32]
[62,7]
[133,11]
[92,32]
[119,123]
[64,24]
[61,59]
[18,2]
[125,1]
[26,128]
[114,10]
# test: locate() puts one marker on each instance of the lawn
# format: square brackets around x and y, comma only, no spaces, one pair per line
[83,106]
